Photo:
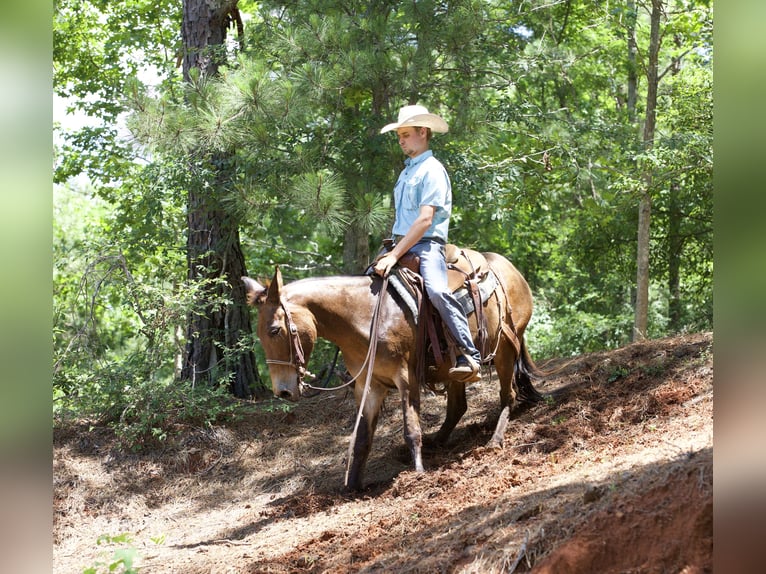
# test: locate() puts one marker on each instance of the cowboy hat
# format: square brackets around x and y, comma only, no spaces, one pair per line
[417,116]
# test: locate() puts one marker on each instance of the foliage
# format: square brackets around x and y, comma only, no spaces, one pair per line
[115,325]
[123,557]
[97,48]
[544,153]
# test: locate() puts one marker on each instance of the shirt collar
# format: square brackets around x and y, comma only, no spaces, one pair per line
[410,161]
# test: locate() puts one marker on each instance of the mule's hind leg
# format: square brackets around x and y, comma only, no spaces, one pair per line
[505,366]
[456,408]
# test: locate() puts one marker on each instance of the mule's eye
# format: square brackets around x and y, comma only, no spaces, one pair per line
[274,330]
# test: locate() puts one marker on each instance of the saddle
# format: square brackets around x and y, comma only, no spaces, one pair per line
[462,265]
[468,277]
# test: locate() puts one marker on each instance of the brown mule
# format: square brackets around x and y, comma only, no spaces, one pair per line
[340,309]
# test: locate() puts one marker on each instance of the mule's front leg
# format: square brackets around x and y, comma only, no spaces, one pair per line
[413,435]
[362,442]
[360,453]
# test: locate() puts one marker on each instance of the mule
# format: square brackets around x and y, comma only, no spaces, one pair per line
[340,309]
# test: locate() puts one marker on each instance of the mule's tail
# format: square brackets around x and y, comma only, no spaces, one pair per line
[526,370]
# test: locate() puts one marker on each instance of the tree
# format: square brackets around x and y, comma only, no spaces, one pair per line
[217,326]
[362,61]
[274,134]
[645,200]
[684,12]
[98,47]
[682,203]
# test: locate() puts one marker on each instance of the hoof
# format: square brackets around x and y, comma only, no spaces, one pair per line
[495,444]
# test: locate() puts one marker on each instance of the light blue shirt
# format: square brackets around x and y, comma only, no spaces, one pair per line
[423,181]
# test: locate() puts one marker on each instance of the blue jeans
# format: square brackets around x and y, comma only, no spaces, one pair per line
[433,268]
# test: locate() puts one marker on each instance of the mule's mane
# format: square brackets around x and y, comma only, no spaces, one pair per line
[323,286]
[338,307]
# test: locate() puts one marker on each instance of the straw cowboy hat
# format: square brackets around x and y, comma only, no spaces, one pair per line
[417,116]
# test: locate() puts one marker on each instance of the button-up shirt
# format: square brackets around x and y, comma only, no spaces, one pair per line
[423,181]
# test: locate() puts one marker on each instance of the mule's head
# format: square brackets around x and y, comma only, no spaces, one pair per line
[275,331]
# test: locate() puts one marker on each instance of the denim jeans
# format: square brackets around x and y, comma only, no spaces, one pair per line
[433,268]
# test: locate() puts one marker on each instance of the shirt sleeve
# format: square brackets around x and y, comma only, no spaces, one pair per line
[436,186]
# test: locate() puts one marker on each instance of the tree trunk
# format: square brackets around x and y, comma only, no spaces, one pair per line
[215,328]
[356,250]
[632,69]
[640,325]
[642,268]
[203,31]
[675,244]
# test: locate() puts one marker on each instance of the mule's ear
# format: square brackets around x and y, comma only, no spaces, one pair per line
[275,287]
[255,292]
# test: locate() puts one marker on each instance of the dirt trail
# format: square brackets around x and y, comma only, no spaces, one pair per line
[612,474]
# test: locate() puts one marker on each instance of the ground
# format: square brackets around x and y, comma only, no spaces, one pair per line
[611,474]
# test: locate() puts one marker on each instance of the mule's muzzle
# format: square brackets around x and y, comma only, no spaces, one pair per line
[287,391]
[288,395]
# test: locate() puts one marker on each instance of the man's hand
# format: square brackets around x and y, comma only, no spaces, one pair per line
[384,264]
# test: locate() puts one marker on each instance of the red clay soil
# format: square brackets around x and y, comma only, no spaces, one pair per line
[611,474]
[667,529]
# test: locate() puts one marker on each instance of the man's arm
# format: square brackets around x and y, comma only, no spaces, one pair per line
[414,234]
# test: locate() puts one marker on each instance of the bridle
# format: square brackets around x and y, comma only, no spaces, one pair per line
[297,358]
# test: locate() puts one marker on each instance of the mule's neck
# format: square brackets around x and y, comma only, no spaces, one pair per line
[341,306]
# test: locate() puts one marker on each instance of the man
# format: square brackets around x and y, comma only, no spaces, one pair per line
[423,202]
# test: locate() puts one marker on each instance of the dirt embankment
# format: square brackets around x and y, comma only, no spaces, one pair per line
[613,473]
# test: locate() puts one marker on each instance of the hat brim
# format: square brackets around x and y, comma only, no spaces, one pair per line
[432,121]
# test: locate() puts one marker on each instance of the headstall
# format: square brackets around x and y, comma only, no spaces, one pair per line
[297,358]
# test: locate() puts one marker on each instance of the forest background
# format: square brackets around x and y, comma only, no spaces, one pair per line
[580,147]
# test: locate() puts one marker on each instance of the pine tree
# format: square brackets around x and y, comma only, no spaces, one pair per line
[220,320]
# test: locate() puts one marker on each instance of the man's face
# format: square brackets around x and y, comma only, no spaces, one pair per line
[413,141]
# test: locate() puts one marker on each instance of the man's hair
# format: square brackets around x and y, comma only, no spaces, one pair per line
[429,133]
